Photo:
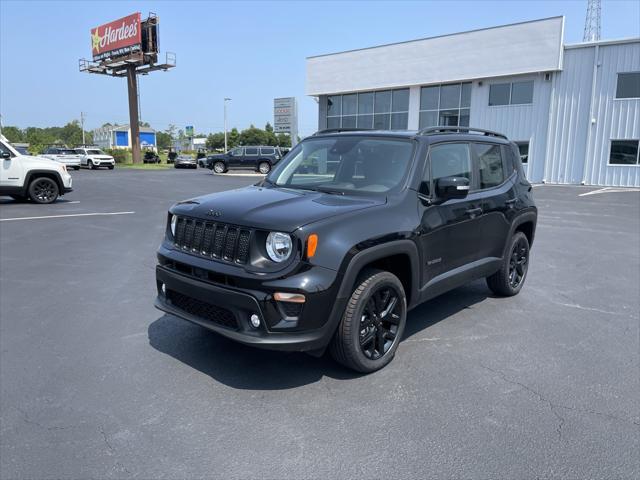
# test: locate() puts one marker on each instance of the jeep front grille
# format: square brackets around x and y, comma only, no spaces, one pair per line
[209,239]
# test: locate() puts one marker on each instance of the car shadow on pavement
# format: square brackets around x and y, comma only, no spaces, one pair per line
[248,368]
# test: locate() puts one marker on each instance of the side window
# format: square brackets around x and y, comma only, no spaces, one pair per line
[236,152]
[267,151]
[490,164]
[450,160]
[251,151]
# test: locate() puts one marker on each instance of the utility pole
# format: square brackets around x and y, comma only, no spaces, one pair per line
[82,126]
[592,21]
[134,125]
[226,99]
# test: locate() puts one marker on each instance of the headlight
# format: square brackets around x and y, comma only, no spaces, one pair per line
[279,246]
[174,220]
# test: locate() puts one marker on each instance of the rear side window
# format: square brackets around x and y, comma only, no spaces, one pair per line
[267,151]
[490,165]
[450,160]
[250,151]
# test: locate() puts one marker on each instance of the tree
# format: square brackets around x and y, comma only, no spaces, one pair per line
[13,134]
[268,128]
[233,138]
[164,140]
[253,136]
[215,141]
[71,133]
[284,140]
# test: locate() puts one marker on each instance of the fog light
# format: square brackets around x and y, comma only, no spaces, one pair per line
[163,289]
[255,321]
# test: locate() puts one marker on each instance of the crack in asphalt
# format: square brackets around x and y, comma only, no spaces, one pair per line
[553,406]
[542,398]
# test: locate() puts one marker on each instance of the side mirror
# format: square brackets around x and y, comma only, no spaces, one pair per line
[452,187]
[6,155]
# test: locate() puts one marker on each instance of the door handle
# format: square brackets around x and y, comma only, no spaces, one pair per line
[474,211]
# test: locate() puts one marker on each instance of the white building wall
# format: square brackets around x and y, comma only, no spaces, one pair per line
[518,122]
[616,119]
[534,46]
[579,147]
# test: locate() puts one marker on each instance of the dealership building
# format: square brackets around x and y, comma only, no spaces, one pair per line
[573,110]
[119,136]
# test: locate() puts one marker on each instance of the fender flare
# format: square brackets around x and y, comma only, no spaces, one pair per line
[377,252]
[524,217]
[32,173]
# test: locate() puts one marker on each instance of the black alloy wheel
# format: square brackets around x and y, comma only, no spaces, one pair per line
[510,278]
[372,324]
[43,190]
[518,263]
[379,322]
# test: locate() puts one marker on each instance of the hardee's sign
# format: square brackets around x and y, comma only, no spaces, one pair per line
[116,38]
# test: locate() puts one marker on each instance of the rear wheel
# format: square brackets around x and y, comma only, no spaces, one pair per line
[372,324]
[43,190]
[264,168]
[219,167]
[508,281]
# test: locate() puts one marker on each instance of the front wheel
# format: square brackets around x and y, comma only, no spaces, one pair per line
[508,281]
[264,168]
[372,324]
[219,167]
[111,167]
[43,190]
[90,165]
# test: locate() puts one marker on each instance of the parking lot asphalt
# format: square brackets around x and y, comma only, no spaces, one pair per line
[96,383]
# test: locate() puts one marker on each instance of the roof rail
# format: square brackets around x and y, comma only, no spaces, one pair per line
[439,130]
[338,130]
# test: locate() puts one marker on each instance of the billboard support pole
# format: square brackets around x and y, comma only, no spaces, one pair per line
[134,123]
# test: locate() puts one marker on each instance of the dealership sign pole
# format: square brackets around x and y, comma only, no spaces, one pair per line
[128,47]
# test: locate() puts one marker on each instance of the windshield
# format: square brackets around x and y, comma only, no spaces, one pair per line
[349,164]
[67,152]
[95,152]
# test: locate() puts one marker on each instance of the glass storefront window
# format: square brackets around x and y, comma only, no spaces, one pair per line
[382,110]
[445,105]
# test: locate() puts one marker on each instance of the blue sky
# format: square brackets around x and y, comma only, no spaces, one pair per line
[249,51]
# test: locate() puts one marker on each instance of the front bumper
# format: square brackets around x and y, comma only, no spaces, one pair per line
[212,306]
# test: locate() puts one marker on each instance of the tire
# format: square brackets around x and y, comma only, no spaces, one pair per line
[43,190]
[219,167]
[76,167]
[508,281]
[370,324]
[264,167]
[110,167]
[90,165]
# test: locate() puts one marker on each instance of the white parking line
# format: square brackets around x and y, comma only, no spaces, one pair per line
[609,190]
[100,214]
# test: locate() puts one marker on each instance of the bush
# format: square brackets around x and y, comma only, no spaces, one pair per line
[120,155]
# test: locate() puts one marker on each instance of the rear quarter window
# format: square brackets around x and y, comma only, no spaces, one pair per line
[267,151]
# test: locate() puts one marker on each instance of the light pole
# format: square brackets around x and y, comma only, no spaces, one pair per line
[226,99]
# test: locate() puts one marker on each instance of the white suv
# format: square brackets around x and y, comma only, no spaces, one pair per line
[23,176]
[93,157]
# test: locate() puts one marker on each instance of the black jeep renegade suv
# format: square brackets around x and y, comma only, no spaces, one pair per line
[347,233]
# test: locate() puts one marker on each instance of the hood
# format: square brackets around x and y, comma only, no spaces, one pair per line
[39,162]
[280,209]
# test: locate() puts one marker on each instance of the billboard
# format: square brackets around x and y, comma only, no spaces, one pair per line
[285,115]
[188,131]
[117,38]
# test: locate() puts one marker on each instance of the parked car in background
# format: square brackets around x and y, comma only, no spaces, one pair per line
[201,157]
[93,157]
[185,161]
[67,156]
[20,149]
[26,176]
[334,259]
[150,157]
[258,158]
